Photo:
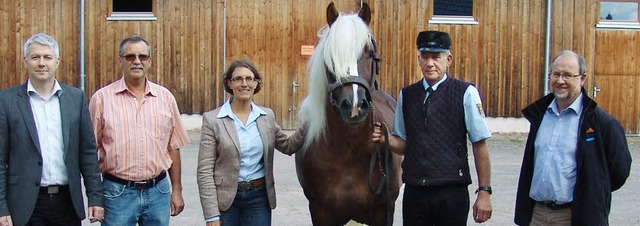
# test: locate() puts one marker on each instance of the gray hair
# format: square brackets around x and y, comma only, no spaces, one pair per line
[42,39]
[134,38]
[582,63]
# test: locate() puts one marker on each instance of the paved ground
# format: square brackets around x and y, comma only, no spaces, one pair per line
[506,156]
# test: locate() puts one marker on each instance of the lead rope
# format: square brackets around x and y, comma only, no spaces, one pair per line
[383,175]
[385,131]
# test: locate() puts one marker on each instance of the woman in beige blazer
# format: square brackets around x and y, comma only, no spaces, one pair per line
[235,161]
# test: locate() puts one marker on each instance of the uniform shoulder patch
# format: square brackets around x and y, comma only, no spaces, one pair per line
[480,110]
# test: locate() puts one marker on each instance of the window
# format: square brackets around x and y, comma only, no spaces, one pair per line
[619,14]
[132,10]
[453,12]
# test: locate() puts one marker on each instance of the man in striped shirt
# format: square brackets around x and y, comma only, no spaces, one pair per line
[138,132]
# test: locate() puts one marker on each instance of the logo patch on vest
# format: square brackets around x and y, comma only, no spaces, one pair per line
[480,110]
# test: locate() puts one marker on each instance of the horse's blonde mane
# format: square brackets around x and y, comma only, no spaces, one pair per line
[340,45]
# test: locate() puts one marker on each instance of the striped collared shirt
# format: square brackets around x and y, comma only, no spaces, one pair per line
[134,137]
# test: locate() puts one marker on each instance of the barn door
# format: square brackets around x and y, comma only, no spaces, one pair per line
[616,81]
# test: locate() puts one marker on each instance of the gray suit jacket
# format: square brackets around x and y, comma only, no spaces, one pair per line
[219,158]
[21,159]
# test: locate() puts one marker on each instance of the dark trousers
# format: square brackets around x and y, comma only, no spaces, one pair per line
[438,205]
[54,209]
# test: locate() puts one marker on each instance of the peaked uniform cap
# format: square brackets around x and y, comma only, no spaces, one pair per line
[433,41]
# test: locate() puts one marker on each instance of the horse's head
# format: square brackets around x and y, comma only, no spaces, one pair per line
[350,61]
[342,72]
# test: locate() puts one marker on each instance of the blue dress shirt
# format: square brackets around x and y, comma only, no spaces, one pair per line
[554,171]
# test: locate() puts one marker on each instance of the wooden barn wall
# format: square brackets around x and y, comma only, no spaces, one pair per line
[503,54]
[21,19]
[576,30]
[186,42]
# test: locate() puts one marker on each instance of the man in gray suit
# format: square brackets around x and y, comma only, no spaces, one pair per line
[46,143]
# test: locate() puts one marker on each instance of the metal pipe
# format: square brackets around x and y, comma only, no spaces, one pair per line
[82,61]
[224,45]
[547,48]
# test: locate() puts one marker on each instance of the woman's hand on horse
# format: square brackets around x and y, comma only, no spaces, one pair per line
[377,135]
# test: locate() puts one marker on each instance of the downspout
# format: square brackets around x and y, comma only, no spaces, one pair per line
[82,61]
[224,45]
[547,48]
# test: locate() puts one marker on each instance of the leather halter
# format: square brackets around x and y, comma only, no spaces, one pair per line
[359,80]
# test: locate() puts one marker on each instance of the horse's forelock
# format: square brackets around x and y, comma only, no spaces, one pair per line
[340,46]
[345,42]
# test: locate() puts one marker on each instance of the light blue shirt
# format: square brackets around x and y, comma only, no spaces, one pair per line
[46,113]
[554,171]
[251,147]
[473,114]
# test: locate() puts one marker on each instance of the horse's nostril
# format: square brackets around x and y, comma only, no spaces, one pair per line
[345,104]
[364,104]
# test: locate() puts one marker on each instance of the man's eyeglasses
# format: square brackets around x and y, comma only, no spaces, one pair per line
[132,57]
[239,80]
[565,76]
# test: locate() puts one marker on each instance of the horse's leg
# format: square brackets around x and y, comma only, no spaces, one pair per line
[379,217]
[321,216]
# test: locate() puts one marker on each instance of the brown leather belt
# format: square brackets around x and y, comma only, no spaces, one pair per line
[141,185]
[246,185]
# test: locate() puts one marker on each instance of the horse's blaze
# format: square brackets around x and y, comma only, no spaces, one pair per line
[354,106]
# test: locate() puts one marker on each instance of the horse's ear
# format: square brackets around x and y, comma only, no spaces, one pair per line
[332,14]
[365,13]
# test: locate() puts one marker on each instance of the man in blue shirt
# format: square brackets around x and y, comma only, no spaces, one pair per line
[432,120]
[576,153]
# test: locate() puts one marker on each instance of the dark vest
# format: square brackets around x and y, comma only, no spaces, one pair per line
[436,151]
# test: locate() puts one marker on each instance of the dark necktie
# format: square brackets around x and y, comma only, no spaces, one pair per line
[425,105]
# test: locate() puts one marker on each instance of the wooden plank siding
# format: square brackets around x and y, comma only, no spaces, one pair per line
[617,75]
[193,42]
[20,20]
[186,47]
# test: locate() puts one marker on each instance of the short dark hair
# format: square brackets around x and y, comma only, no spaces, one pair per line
[133,38]
[242,62]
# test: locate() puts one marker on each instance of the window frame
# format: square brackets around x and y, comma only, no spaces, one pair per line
[133,16]
[618,24]
[450,19]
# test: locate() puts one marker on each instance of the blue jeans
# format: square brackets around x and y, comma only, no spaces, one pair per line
[126,206]
[249,208]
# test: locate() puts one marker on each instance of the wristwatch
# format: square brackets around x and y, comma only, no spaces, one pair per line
[484,188]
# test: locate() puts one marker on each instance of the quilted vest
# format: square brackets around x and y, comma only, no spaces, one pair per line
[436,150]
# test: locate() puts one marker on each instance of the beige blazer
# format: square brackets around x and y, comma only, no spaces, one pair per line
[219,158]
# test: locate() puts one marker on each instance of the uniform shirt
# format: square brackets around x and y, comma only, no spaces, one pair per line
[473,114]
[133,136]
[251,147]
[554,171]
[46,113]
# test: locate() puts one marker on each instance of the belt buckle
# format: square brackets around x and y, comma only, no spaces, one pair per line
[551,205]
[141,184]
[244,185]
[53,190]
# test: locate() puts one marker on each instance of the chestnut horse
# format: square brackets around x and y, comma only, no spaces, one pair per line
[344,175]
